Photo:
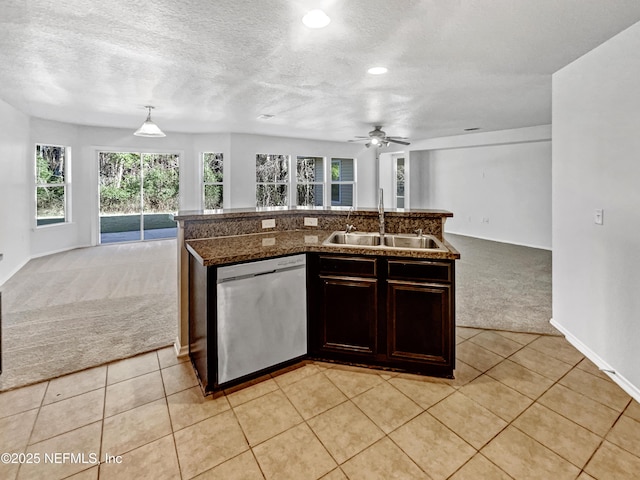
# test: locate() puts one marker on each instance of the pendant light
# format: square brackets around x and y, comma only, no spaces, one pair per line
[148,128]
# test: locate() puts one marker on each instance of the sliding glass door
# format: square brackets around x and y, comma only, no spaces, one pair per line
[138,196]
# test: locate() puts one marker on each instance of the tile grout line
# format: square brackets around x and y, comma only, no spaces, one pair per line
[235,416]
[173,436]
[35,421]
[474,456]
[557,382]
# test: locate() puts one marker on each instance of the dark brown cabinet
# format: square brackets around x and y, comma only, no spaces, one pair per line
[389,312]
[346,299]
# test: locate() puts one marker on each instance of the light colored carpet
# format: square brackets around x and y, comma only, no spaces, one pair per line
[85,307]
[502,286]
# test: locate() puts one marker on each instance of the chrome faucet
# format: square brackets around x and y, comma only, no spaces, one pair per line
[418,232]
[350,227]
[381,214]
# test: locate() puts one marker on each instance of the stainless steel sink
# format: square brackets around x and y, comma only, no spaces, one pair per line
[397,241]
[406,241]
[355,239]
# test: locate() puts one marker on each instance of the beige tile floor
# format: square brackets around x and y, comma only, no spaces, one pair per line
[522,406]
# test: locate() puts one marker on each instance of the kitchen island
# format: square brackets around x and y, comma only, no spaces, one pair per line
[380,306]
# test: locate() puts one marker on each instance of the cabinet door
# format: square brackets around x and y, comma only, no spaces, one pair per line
[349,314]
[419,323]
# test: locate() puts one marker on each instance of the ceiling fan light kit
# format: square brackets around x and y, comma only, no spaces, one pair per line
[378,138]
[148,128]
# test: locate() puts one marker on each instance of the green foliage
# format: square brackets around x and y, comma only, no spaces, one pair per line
[213,196]
[50,164]
[335,170]
[120,182]
[212,168]
[50,167]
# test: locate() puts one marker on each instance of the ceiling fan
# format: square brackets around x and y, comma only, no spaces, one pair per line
[378,138]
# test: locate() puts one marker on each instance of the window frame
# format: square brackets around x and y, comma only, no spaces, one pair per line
[204,183]
[322,183]
[66,184]
[405,197]
[332,182]
[287,183]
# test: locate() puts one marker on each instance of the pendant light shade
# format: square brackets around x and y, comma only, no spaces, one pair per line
[148,128]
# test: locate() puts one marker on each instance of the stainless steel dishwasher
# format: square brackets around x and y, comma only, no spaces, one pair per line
[262,315]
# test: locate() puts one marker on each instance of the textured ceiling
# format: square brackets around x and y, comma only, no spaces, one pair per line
[215,66]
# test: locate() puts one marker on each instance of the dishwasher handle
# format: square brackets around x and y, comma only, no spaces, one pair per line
[257,274]
[264,273]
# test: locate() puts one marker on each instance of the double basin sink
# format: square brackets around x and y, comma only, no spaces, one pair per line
[388,241]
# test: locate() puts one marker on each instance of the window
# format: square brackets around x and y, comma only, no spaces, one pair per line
[52,181]
[310,181]
[212,176]
[342,182]
[272,179]
[400,182]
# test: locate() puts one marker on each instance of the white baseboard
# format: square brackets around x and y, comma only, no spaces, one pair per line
[500,241]
[181,350]
[622,382]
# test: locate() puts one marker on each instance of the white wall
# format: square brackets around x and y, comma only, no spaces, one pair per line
[499,191]
[62,236]
[15,190]
[596,164]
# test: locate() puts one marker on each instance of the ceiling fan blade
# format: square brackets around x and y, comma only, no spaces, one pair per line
[397,138]
[397,141]
[358,139]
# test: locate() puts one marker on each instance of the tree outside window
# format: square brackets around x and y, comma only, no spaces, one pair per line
[51,184]
[212,176]
[310,181]
[272,179]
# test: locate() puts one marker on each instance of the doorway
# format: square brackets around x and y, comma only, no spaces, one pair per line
[138,195]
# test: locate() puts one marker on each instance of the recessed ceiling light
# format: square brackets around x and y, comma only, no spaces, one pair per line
[316,19]
[471,129]
[265,116]
[377,70]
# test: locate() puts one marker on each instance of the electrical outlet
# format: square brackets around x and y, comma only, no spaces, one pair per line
[268,242]
[270,223]
[598,217]
[310,222]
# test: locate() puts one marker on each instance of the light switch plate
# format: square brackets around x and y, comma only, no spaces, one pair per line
[598,217]
[310,222]
[270,223]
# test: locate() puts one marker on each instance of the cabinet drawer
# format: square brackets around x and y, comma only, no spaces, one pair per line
[419,270]
[349,266]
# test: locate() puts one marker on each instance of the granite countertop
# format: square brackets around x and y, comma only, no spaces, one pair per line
[258,246]
[202,215]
